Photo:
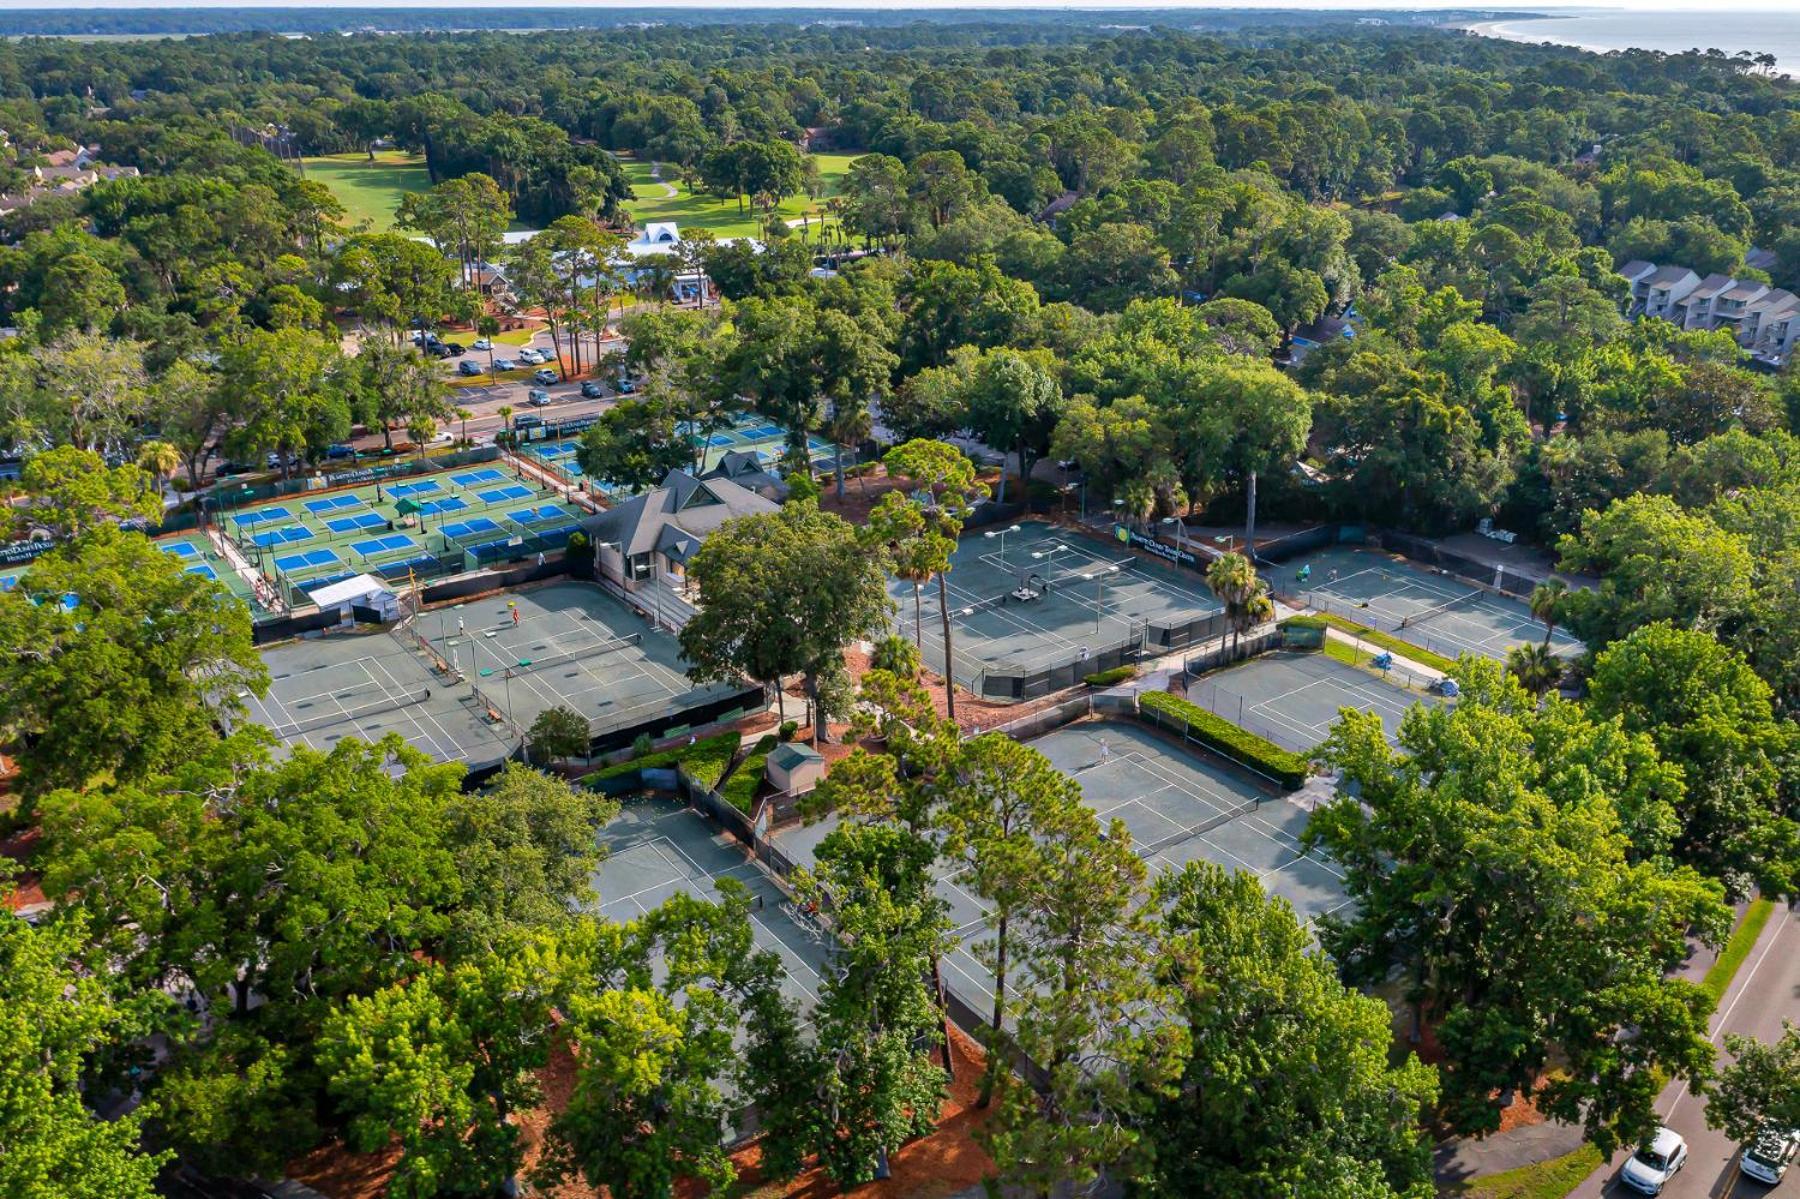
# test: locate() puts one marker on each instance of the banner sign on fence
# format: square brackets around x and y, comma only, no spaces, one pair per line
[1167,553]
[14,553]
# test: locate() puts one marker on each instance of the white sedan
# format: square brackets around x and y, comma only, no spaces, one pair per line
[1650,1168]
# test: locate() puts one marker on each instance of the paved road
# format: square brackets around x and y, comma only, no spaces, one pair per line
[1766,990]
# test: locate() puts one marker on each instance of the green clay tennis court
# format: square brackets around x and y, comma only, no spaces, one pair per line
[464,682]
[658,848]
[573,645]
[1293,697]
[1429,608]
[1178,808]
[445,522]
[1020,600]
[745,435]
[366,685]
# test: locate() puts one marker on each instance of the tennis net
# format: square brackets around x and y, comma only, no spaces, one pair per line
[1198,830]
[388,703]
[1461,601]
[1086,574]
[578,655]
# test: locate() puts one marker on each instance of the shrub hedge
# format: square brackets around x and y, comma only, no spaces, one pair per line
[705,761]
[1397,646]
[1288,769]
[1109,678]
[740,789]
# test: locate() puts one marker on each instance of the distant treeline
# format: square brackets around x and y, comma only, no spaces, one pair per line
[118,22]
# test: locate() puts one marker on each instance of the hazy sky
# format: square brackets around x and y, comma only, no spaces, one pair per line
[1660,6]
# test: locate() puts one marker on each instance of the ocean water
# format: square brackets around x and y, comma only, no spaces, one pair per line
[1776,33]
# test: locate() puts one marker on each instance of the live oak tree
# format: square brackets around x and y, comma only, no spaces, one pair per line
[634,445]
[1759,1092]
[1491,865]
[1710,714]
[1286,1088]
[444,1060]
[652,1008]
[56,1018]
[132,677]
[783,593]
[73,490]
[558,734]
[1013,400]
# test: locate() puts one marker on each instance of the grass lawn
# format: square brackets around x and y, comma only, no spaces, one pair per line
[691,210]
[370,191]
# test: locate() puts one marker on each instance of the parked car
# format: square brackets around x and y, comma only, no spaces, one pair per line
[537,398]
[456,349]
[530,355]
[591,390]
[626,385]
[545,375]
[1655,1162]
[505,364]
[1767,1158]
[481,343]
[468,367]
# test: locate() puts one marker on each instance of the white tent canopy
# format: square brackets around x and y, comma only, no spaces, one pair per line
[366,590]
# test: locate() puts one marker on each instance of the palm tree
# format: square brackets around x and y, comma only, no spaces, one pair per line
[421,429]
[462,415]
[1233,579]
[850,425]
[1547,604]
[160,460]
[505,412]
[1536,668]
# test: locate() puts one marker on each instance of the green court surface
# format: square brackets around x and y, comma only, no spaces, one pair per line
[658,848]
[1178,808]
[463,682]
[1430,608]
[573,646]
[746,435]
[699,210]
[198,557]
[370,191]
[1293,697]
[1042,596]
[313,538]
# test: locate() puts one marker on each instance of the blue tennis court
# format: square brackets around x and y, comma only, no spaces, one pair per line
[453,503]
[499,495]
[332,503]
[471,477]
[262,516]
[283,536]
[405,491]
[203,570]
[383,545]
[531,516]
[478,527]
[8,582]
[181,549]
[289,563]
[354,524]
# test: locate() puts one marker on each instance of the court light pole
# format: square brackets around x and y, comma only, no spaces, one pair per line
[1099,578]
[1001,534]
